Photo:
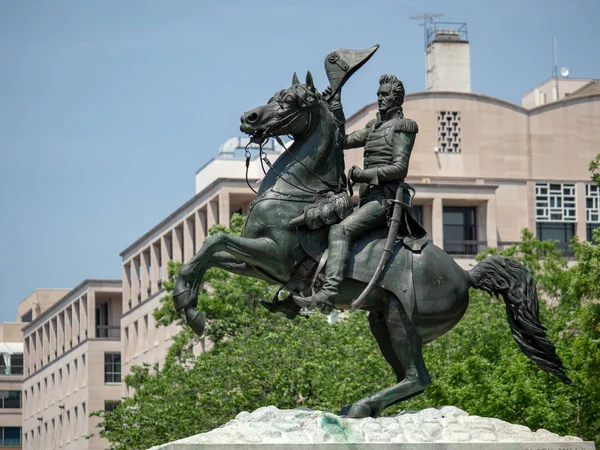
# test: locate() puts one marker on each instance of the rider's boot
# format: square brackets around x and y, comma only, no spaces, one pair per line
[339,250]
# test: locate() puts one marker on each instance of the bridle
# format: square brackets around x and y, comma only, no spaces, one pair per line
[271,131]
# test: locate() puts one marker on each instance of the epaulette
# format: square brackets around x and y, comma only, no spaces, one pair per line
[407,125]
[370,123]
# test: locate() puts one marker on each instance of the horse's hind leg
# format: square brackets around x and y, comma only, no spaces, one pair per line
[413,373]
[380,332]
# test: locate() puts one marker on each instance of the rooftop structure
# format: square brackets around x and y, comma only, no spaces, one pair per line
[555,89]
[448,60]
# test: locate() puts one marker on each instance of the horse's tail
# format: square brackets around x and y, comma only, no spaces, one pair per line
[499,275]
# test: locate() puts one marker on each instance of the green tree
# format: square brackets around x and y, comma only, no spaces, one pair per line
[595,169]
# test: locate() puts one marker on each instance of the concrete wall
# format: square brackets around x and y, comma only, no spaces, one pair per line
[11,332]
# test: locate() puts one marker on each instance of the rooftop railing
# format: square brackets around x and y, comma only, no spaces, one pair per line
[108,331]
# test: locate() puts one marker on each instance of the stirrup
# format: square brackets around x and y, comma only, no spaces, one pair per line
[287,306]
[325,306]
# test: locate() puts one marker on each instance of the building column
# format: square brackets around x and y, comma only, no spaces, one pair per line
[580,226]
[60,332]
[145,282]
[154,258]
[68,328]
[91,314]
[83,331]
[200,229]
[491,227]
[126,280]
[45,345]
[437,222]
[76,325]
[212,213]
[224,209]
[188,239]
[531,224]
[53,335]
[135,281]
[40,352]
[177,244]
[164,258]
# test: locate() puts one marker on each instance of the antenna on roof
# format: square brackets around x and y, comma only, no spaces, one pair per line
[427,19]
[555,69]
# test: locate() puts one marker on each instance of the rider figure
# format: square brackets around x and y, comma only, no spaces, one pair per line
[388,142]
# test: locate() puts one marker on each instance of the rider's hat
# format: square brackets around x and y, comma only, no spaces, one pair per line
[341,64]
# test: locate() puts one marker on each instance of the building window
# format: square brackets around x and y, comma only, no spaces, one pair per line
[111,405]
[556,213]
[460,231]
[562,232]
[449,132]
[112,367]
[592,209]
[555,202]
[590,227]
[10,436]
[10,399]
[27,317]
[11,364]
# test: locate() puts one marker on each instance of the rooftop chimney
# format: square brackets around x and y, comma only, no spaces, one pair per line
[447,56]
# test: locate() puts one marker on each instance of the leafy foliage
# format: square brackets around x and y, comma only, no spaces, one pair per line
[261,359]
[595,169]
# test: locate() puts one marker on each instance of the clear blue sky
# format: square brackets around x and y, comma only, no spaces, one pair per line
[107,108]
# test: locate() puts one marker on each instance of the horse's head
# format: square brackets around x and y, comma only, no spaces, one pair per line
[289,112]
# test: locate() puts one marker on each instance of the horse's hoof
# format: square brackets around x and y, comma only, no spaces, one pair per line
[183,297]
[344,410]
[360,410]
[195,320]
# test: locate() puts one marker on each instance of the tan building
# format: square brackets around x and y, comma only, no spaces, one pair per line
[72,366]
[484,169]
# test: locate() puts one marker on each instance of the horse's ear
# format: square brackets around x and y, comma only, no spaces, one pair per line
[295,79]
[309,81]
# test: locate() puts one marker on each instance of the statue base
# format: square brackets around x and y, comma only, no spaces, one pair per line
[447,428]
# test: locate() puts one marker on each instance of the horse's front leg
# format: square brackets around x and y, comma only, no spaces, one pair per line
[260,252]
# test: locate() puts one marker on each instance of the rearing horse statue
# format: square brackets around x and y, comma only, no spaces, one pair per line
[421,294]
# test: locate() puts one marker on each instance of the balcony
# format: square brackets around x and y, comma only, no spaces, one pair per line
[108,332]
[464,248]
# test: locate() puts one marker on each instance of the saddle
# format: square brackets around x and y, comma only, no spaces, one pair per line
[364,256]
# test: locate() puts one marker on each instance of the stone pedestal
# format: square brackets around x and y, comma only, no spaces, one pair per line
[447,428]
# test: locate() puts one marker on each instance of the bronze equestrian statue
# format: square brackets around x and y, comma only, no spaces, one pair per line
[415,294]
